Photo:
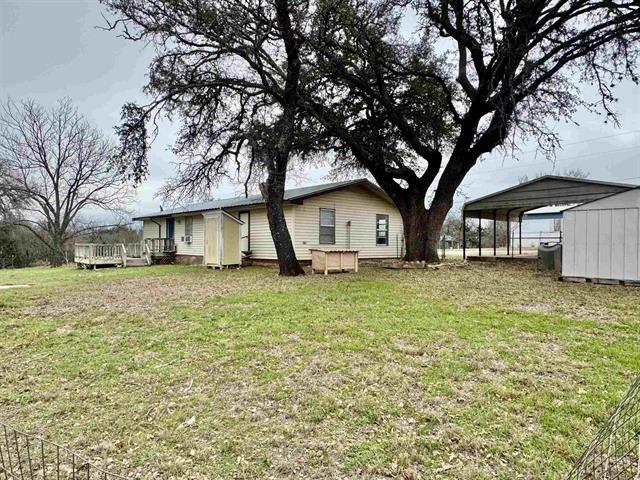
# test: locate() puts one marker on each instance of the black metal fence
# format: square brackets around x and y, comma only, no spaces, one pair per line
[30,457]
[615,452]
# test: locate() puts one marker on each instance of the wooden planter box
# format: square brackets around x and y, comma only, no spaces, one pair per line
[329,260]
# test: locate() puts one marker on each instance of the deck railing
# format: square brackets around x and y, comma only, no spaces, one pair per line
[134,250]
[91,252]
[118,253]
[147,253]
[159,246]
[114,254]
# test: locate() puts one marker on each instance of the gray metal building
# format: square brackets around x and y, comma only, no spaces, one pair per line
[602,239]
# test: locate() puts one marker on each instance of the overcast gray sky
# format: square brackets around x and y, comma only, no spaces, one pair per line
[52,49]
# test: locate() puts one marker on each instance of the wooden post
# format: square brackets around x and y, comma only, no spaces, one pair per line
[464,234]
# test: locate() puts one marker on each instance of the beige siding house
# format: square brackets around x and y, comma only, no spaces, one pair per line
[354,215]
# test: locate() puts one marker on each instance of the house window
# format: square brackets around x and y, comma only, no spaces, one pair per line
[188,226]
[327,226]
[382,229]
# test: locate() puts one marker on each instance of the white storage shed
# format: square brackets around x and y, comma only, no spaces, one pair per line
[602,239]
[221,239]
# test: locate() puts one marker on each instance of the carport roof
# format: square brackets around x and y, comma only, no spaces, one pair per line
[541,192]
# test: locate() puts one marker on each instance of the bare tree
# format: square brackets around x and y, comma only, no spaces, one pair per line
[59,167]
[494,71]
[230,71]
[9,198]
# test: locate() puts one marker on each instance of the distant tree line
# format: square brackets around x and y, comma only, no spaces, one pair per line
[19,247]
[453,227]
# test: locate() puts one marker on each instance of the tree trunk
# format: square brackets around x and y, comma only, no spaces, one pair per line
[57,251]
[422,228]
[437,215]
[278,158]
[273,193]
[415,219]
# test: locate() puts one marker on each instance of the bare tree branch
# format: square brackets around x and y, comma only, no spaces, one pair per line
[58,166]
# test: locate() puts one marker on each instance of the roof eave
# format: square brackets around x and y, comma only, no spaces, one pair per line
[200,210]
[291,200]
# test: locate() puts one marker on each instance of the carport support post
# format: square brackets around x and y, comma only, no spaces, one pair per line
[494,232]
[509,239]
[520,233]
[480,233]
[508,232]
[464,234]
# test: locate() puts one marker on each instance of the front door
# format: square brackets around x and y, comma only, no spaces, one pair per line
[245,245]
[170,227]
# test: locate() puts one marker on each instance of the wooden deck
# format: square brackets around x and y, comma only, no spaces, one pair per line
[147,252]
[94,255]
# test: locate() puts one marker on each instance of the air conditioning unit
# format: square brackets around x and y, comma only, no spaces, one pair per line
[188,239]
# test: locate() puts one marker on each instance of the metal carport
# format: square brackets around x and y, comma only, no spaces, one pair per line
[513,202]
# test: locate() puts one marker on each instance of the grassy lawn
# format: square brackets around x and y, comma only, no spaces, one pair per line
[472,373]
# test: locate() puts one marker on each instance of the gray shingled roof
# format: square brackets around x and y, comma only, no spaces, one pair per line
[289,195]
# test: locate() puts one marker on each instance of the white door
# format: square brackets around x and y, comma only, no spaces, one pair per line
[245,245]
[211,241]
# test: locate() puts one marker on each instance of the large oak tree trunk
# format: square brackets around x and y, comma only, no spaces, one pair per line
[422,227]
[273,193]
[415,220]
[421,233]
[437,215]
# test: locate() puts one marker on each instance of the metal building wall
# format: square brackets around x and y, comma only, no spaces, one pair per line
[602,239]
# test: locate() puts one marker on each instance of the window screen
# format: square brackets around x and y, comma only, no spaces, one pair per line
[188,226]
[327,226]
[382,229]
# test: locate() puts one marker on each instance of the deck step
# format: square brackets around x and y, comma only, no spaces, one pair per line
[136,262]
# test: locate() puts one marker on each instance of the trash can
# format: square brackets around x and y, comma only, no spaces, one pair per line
[550,256]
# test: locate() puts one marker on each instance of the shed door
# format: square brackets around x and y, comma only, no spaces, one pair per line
[245,244]
[211,241]
[231,243]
